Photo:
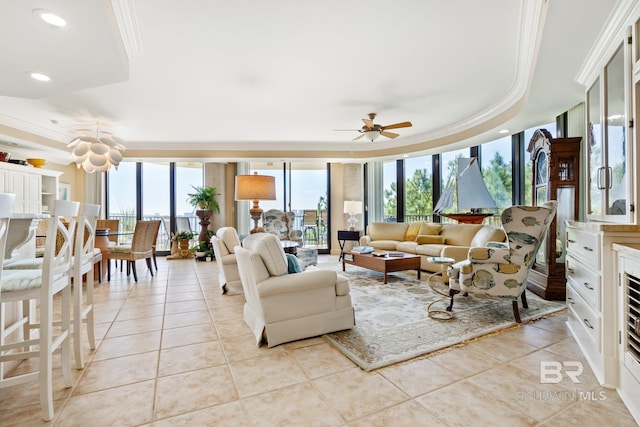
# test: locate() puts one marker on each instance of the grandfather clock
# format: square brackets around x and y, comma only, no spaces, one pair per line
[556,175]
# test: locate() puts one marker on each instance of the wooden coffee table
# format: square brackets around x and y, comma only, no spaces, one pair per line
[383,264]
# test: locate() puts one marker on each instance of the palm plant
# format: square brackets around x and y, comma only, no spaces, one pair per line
[204,198]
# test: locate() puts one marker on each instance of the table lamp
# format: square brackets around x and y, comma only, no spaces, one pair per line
[255,188]
[352,208]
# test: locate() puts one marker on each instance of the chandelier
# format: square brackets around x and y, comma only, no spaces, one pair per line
[97,153]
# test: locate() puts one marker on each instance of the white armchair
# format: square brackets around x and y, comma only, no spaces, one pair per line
[282,307]
[224,243]
[503,271]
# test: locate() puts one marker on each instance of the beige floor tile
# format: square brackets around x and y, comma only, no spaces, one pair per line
[190,357]
[242,347]
[180,294]
[116,372]
[190,391]
[231,328]
[128,345]
[135,326]
[267,373]
[140,312]
[591,413]
[107,407]
[501,347]
[232,312]
[355,394]
[188,335]
[275,408]
[463,403]
[465,360]
[184,306]
[420,376]
[187,319]
[227,414]
[320,360]
[406,414]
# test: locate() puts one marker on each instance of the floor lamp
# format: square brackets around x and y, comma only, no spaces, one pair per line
[255,188]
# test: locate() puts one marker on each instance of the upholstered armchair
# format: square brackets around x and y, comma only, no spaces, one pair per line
[280,224]
[224,243]
[498,270]
[282,307]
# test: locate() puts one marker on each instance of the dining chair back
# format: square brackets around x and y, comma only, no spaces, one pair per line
[112,225]
[140,248]
[83,265]
[42,284]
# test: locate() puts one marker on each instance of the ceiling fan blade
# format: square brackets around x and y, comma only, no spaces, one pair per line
[398,125]
[358,137]
[346,130]
[368,123]
[389,134]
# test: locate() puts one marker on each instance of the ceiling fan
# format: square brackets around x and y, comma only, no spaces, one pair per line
[372,130]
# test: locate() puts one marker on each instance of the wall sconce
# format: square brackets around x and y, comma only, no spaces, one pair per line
[352,208]
[255,188]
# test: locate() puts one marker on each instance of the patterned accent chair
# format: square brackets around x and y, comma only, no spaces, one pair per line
[280,224]
[502,271]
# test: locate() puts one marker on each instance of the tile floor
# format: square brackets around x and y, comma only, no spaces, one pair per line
[174,351]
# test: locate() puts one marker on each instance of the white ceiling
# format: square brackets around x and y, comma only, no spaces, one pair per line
[257,79]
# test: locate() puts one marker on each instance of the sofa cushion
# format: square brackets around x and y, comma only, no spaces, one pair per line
[408,247]
[429,229]
[487,234]
[429,239]
[387,245]
[459,234]
[387,231]
[412,232]
[430,250]
[293,265]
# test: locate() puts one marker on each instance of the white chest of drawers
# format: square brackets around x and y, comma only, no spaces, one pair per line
[592,292]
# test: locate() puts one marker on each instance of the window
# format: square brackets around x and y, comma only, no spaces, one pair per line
[390,191]
[497,170]
[418,189]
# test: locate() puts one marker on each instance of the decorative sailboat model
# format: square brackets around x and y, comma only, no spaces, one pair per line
[471,193]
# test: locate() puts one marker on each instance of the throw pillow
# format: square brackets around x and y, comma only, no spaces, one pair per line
[293,265]
[430,229]
[412,232]
[429,239]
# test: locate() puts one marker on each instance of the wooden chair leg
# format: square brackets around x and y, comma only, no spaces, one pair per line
[516,313]
[149,266]
[155,263]
[108,270]
[524,299]
[99,271]
[133,267]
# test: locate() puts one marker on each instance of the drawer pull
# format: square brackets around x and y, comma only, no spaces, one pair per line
[587,248]
[586,322]
[588,286]
[571,270]
[571,241]
[570,300]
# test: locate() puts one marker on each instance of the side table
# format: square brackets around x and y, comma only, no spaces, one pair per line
[432,312]
[344,236]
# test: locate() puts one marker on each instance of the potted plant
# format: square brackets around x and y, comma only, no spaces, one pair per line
[182,238]
[200,249]
[204,198]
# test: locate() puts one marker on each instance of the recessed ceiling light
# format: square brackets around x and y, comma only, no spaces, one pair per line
[50,17]
[38,76]
[405,156]
[503,131]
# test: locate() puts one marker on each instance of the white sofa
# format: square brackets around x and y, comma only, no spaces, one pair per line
[282,307]
[431,240]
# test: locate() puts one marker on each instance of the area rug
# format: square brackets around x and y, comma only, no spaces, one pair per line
[392,324]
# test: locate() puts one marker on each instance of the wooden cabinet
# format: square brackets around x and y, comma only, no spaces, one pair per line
[556,176]
[35,189]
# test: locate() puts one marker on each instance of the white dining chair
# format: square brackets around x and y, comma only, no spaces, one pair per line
[83,264]
[42,284]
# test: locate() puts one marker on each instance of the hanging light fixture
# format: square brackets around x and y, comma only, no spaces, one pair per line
[97,153]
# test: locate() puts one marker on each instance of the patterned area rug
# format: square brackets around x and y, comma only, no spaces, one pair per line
[392,324]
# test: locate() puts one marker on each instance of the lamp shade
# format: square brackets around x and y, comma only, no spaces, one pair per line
[352,207]
[255,187]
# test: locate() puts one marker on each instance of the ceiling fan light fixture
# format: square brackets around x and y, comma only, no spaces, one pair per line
[371,135]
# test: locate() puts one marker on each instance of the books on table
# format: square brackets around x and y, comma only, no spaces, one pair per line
[363,249]
[395,254]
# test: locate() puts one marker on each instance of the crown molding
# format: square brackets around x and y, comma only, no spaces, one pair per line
[125,17]
[612,34]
